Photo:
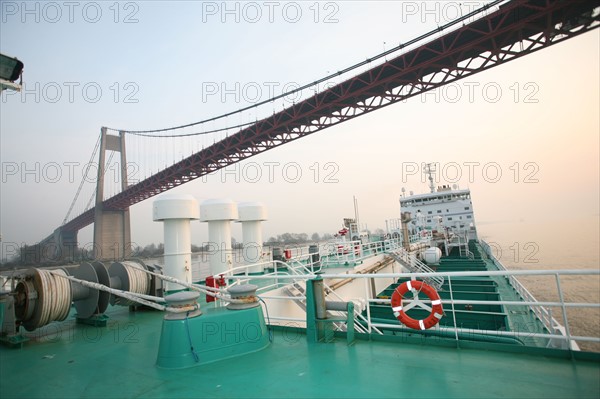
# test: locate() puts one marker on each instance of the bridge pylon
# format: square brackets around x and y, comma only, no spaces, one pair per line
[112,230]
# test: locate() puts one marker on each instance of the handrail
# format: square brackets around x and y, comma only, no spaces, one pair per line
[501,333]
[357,316]
[295,270]
[557,333]
[357,324]
[545,315]
[508,303]
[424,235]
[355,251]
[482,273]
[408,260]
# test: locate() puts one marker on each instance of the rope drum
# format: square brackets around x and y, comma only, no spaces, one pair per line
[128,276]
[46,295]
[47,298]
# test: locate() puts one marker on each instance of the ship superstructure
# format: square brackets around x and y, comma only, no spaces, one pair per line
[444,209]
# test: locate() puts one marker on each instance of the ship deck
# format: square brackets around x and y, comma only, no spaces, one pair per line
[119,361]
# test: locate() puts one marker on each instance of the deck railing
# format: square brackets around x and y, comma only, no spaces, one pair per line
[556,335]
[301,267]
[411,262]
[543,313]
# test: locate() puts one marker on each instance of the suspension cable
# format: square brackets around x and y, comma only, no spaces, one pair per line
[82,181]
[89,203]
[192,134]
[328,77]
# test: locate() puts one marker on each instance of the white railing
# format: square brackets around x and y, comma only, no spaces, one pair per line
[542,313]
[424,236]
[410,261]
[460,240]
[335,253]
[358,317]
[302,265]
[554,335]
[343,252]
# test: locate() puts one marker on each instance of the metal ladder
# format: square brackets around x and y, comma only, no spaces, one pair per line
[463,247]
[296,290]
[411,262]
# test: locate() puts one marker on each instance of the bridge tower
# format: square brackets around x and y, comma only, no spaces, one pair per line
[112,231]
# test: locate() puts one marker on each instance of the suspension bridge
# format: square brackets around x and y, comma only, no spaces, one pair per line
[500,32]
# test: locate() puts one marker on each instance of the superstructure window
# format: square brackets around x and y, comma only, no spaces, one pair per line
[439,211]
[466,208]
[469,217]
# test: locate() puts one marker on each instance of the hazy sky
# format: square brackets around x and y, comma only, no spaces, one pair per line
[143,65]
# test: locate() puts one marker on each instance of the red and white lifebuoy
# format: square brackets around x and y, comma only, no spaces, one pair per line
[437,311]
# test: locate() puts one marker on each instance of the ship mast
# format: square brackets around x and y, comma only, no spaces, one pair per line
[430,170]
[356,213]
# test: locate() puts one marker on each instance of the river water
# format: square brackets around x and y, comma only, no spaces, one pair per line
[554,244]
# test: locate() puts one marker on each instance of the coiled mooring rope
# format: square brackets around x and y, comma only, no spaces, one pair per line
[54,298]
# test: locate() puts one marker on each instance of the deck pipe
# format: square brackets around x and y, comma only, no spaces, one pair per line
[219,213]
[452,335]
[176,211]
[251,215]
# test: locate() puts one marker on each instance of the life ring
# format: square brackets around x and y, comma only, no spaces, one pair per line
[437,311]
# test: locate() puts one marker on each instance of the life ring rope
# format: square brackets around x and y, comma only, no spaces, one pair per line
[415,286]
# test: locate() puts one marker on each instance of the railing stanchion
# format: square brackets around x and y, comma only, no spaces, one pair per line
[368,297]
[564,311]
[453,311]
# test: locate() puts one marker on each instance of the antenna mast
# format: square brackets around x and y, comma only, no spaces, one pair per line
[356,212]
[430,171]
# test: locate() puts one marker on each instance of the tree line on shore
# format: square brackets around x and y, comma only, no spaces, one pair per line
[25,258]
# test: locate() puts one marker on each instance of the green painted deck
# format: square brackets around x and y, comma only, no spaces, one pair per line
[472,317]
[118,361]
[64,360]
